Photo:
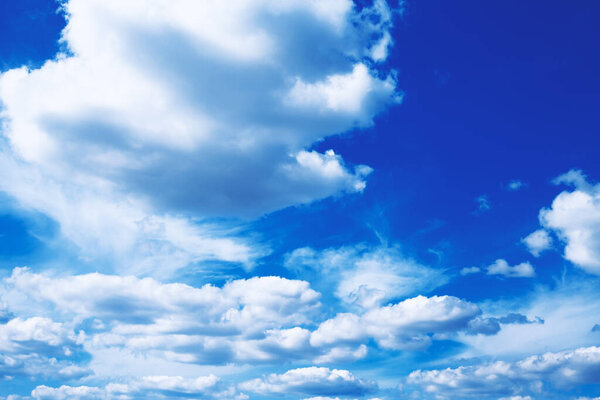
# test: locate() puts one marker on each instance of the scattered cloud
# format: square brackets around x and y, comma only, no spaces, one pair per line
[575,218]
[187,111]
[501,267]
[148,387]
[316,381]
[538,241]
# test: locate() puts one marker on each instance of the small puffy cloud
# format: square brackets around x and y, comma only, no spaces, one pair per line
[559,370]
[575,218]
[538,241]
[365,276]
[186,111]
[315,381]
[501,267]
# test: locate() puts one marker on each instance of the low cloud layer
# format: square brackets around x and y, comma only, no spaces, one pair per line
[535,374]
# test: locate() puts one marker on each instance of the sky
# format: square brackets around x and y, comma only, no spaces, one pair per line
[312,200]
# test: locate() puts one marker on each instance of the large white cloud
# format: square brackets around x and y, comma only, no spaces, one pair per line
[575,217]
[38,346]
[160,111]
[537,242]
[405,325]
[556,370]
[177,322]
[502,267]
[317,381]
[257,320]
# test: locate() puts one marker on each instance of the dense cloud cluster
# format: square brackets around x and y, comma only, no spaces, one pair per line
[575,218]
[189,111]
[555,370]
[258,320]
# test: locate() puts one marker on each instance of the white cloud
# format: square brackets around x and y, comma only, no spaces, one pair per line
[569,313]
[189,110]
[538,241]
[501,267]
[149,387]
[575,217]
[405,325]
[316,381]
[365,276]
[559,370]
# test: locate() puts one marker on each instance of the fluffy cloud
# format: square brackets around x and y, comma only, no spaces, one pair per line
[405,325]
[187,110]
[40,347]
[560,370]
[174,321]
[148,387]
[501,267]
[575,217]
[365,276]
[311,381]
[537,242]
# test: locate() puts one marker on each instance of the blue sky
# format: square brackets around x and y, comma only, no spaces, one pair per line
[299,200]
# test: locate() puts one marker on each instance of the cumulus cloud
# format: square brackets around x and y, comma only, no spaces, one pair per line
[365,276]
[538,241]
[317,381]
[558,370]
[575,217]
[501,267]
[206,325]
[408,325]
[148,387]
[38,346]
[187,110]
